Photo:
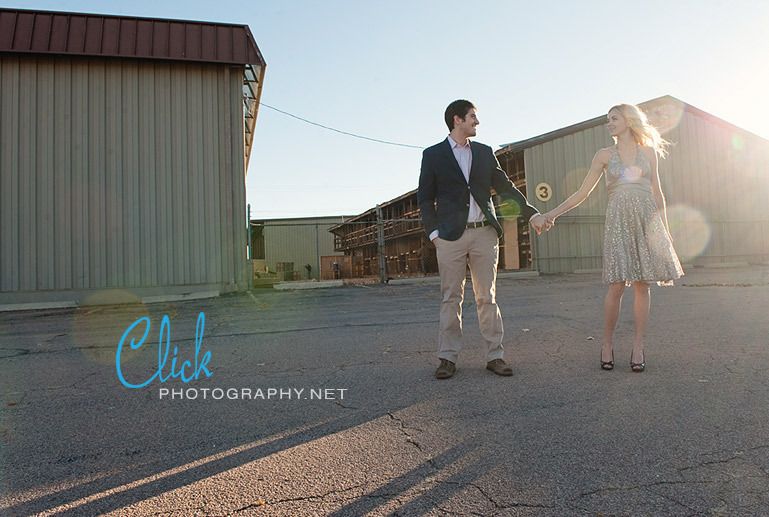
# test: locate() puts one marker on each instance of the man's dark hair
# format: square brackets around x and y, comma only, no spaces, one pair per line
[460,108]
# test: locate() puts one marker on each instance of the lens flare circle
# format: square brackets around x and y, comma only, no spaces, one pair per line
[665,115]
[690,230]
[98,325]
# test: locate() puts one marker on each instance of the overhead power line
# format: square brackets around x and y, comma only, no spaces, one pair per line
[340,131]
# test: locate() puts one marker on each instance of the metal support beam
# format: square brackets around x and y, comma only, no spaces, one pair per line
[381,245]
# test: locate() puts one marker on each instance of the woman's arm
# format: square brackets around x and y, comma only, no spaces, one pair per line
[600,160]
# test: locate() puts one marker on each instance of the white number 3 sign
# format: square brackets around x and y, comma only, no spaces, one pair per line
[543,191]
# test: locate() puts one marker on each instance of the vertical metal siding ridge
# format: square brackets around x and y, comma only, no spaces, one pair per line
[64,246]
[229,221]
[78,207]
[193,173]
[219,163]
[26,182]
[159,159]
[145,170]
[45,258]
[238,192]
[235,173]
[96,194]
[208,172]
[8,101]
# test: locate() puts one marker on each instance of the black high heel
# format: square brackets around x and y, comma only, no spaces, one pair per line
[608,365]
[637,367]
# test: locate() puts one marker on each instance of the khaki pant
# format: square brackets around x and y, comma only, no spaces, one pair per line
[478,247]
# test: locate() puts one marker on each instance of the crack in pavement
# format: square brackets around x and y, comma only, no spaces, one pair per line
[176,510]
[637,487]
[51,388]
[449,512]
[493,501]
[346,407]
[19,352]
[676,501]
[321,497]
[410,439]
[706,463]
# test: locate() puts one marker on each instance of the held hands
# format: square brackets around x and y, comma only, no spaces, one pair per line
[542,223]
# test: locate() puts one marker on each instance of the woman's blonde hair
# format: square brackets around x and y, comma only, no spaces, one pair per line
[643,132]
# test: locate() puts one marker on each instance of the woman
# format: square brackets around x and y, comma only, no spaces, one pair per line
[637,246]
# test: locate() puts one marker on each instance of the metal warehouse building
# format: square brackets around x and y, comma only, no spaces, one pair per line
[296,241]
[716,181]
[123,149]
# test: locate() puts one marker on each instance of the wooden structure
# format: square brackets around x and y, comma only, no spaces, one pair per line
[407,250]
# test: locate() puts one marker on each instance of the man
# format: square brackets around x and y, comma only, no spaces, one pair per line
[458,215]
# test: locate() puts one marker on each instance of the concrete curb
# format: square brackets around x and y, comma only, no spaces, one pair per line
[37,306]
[323,284]
[180,297]
[419,280]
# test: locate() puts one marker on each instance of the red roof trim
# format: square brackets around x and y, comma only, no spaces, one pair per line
[47,32]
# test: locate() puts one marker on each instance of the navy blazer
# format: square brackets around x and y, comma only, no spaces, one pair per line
[444,195]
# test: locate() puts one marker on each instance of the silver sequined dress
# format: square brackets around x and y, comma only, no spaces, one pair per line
[636,246]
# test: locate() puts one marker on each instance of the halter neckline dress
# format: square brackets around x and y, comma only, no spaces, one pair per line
[636,246]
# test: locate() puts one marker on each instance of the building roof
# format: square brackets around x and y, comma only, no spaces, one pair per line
[289,221]
[662,112]
[47,32]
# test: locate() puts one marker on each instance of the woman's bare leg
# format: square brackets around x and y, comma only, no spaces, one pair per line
[611,307]
[641,304]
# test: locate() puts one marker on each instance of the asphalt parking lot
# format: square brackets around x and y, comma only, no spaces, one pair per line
[361,427]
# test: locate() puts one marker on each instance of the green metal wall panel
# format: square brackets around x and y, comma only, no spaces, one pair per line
[301,241]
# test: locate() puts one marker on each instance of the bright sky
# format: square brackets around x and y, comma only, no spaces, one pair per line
[387,70]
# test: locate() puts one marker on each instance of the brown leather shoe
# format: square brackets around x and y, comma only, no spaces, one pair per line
[445,370]
[500,367]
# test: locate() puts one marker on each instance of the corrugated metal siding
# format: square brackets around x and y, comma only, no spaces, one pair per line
[563,163]
[120,174]
[714,168]
[723,173]
[301,241]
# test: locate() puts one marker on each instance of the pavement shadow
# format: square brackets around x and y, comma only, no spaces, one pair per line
[175,480]
[400,485]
